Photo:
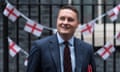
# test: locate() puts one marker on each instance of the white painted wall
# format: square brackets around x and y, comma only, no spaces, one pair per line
[99,34]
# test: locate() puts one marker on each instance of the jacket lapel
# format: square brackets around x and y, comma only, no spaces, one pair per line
[55,53]
[54,49]
[78,55]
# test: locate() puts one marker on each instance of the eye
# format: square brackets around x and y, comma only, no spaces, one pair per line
[70,19]
[62,18]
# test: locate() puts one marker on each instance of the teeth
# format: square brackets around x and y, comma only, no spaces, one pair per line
[65,26]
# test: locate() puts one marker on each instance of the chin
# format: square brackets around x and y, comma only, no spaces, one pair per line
[64,33]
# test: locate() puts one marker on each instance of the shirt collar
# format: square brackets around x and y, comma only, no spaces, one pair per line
[60,40]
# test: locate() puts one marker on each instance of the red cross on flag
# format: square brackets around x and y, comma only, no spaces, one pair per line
[13,48]
[34,28]
[117,36]
[113,13]
[118,8]
[11,12]
[87,28]
[106,50]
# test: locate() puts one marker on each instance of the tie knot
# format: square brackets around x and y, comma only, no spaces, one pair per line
[66,43]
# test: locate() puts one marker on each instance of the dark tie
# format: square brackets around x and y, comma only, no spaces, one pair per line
[67,58]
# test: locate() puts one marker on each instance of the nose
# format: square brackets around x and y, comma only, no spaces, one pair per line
[65,21]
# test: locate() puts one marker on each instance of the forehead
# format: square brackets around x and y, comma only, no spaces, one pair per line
[67,12]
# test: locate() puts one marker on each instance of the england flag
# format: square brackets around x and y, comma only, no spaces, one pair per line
[87,28]
[34,28]
[105,51]
[113,13]
[26,62]
[13,48]
[11,12]
[117,36]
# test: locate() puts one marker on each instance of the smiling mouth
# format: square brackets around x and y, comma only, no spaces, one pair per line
[65,26]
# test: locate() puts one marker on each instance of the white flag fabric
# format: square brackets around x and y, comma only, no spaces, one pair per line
[13,48]
[87,28]
[113,13]
[118,7]
[34,28]
[105,51]
[26,62]
[54,31]
[11,12]
[117,36]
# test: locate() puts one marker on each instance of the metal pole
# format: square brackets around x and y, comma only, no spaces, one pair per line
[69,2]
[99,11]
[5,40]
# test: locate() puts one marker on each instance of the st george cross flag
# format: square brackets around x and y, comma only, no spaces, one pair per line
[11,12]
[105,51]
[87,28]
[118,7]
[34,28]
[26,62]
[117,36]
[54,31]
[113,13]
[13,48]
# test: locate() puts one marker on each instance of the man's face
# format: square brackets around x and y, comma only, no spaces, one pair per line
[67,22]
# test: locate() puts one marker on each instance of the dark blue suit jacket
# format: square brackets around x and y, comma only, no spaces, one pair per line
[45,56]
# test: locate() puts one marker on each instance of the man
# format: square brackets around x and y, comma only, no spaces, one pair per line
[49,54]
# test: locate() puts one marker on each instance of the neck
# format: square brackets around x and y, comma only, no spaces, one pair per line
[66,37]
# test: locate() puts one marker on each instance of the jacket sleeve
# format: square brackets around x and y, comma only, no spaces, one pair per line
[92,65]
[34,59]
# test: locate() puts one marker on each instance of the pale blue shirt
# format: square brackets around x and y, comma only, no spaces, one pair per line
[72,52]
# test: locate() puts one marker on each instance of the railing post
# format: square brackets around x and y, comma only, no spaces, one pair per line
[5,40]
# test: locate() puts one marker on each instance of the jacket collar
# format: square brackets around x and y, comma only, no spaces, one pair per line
[54,48]
[55,52]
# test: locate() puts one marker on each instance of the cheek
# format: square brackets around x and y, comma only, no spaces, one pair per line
[74,25]
[77,24]
[59,24]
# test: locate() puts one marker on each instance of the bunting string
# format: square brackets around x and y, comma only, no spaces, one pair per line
[99,17]
[24,52]
[36,28]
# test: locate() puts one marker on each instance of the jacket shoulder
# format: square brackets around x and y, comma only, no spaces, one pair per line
[45,40]
[83,44]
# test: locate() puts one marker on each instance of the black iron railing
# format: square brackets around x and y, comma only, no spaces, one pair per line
[47,13]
